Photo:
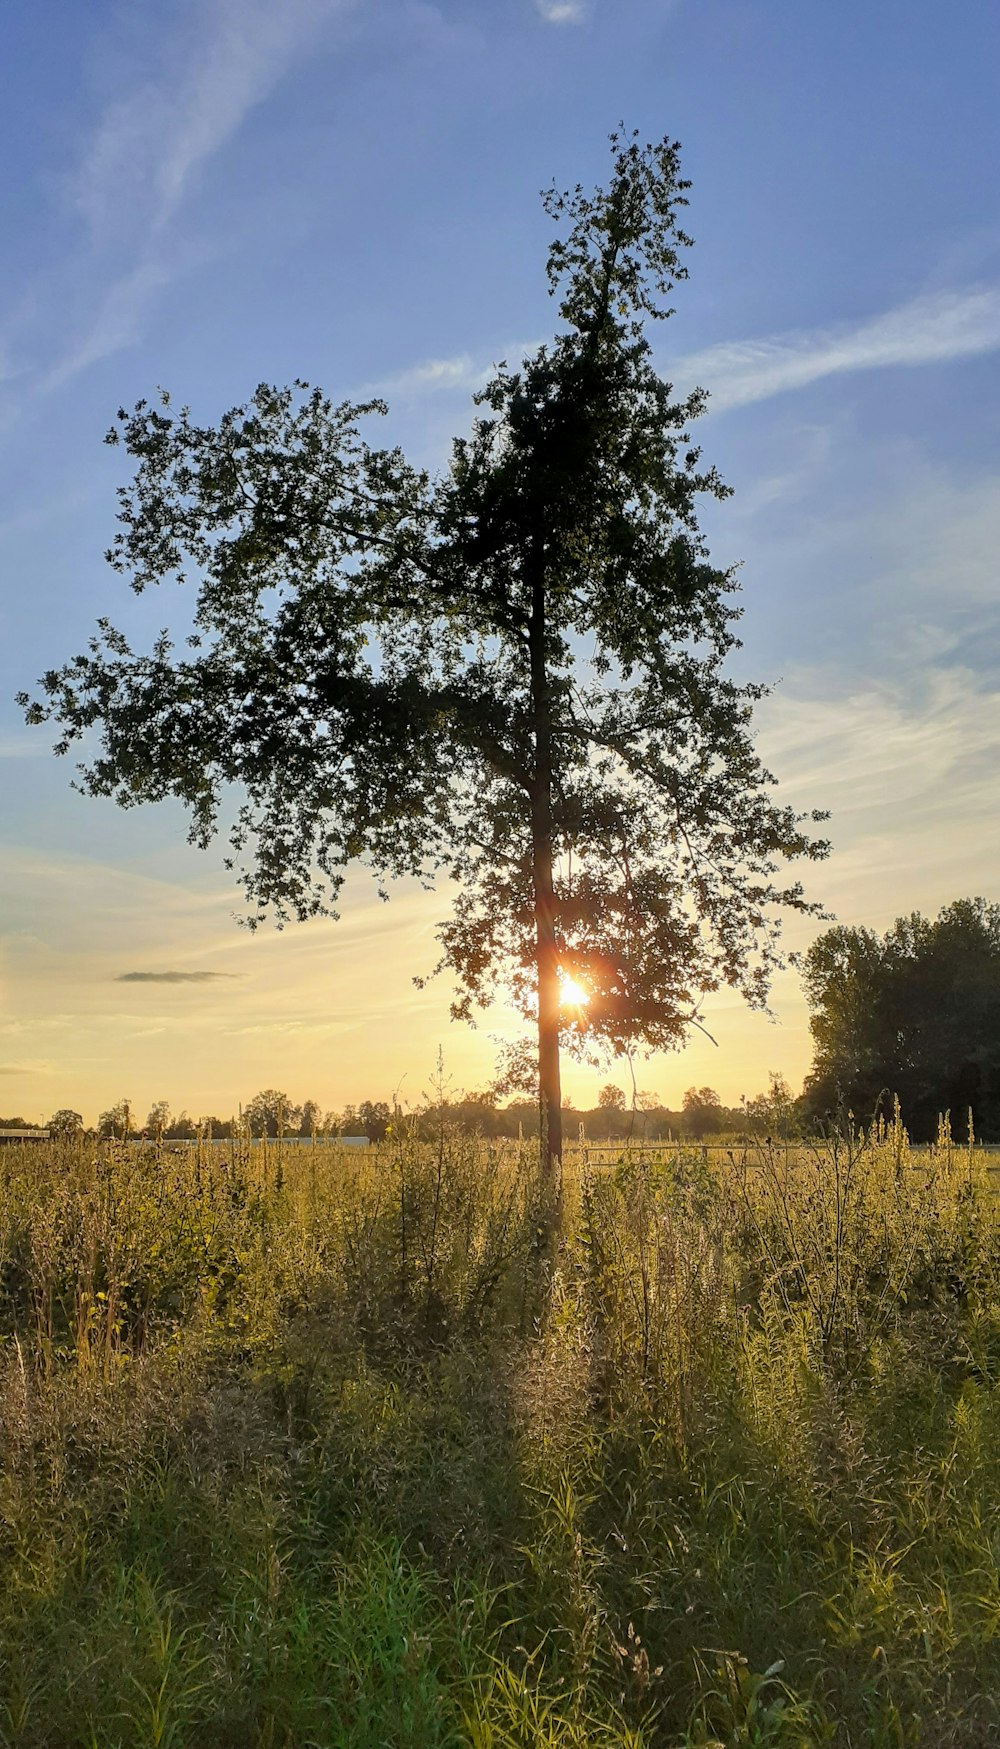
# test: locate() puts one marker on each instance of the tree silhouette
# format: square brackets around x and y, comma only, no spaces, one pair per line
[65,1123]
[116,1123]
[512,674]
[914,1013]
[158,1120]
[611,1098]
[310,1118]
[271,1113]
[703,1112]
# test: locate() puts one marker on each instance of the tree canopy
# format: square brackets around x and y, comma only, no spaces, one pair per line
[913,1013]
[116,1122]
[512,674]
[65,1122]
[703,1112]
[271,1113]
[611,1098]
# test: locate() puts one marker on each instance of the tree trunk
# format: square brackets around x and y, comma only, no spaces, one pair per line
[549,1093]
[547,952]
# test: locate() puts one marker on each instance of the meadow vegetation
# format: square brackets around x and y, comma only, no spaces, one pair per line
[311,1447]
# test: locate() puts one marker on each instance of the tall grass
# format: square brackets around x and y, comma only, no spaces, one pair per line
[312,1447]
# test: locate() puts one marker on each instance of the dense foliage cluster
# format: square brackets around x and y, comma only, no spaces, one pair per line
[913,1014]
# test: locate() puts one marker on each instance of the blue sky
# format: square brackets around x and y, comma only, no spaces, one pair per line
[211,193]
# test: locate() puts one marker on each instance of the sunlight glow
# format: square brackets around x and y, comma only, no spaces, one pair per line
[572,994]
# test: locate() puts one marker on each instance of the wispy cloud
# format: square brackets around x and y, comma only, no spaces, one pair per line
[926,745]
[910,777]
[118,323]
[927,330]
[562,11]
[173,977]
[460,372]
[148,148]
[21,747]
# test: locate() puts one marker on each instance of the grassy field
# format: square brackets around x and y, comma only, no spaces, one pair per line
[320,1448]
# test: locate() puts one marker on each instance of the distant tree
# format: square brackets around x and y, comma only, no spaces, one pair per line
[611,1098]
[181,1129]
[702,1112]
[521,1118]
[221,1128]
[646,1112]
[330,1123]
[65,1123]
[392,668]
[310,1119]
[158,1121]
[271,1113]
[374,1119]
[913,1013]
[776,1112]
[472,1113]
[486,1100]
[116,1123]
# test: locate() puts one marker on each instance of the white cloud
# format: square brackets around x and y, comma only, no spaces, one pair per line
[118,323]
[149,145]
[928,745]
[561,11]
[460,372]
[902,557]
[14,746]
[909,774]
[927,330]
[942,544]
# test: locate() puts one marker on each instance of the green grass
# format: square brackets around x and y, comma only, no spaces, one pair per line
[341,1450]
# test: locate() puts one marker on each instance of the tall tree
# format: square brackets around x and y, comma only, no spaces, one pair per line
[65,1123]
[703,1113]
[158,1121]
[116,1123]
[512,673]
[374,1117]
[310,1118]
[913,1014]
[611,1098]
[271,1113]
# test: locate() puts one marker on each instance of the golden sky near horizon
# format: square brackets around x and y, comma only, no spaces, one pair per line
[328,1010]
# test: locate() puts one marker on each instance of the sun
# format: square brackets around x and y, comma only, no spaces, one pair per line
[572,994]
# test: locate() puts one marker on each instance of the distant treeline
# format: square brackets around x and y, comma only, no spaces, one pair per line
[616,1116]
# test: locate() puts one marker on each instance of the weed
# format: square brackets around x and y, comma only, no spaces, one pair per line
[321,1449]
